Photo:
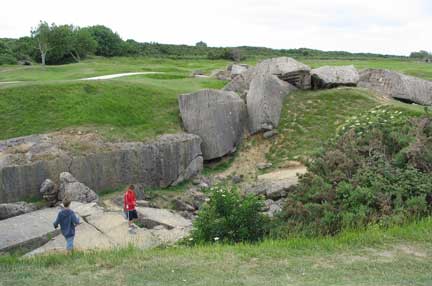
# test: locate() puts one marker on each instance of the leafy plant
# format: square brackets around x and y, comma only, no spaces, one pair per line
[230,217]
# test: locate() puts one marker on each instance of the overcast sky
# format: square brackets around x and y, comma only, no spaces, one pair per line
[381,26]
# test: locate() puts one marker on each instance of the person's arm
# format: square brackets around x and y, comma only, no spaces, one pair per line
[56,222]
[75,219]
[134,199]
[125,197]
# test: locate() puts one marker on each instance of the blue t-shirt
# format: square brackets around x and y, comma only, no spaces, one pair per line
[67,220]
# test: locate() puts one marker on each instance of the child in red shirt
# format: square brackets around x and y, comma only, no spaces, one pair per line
[129,206]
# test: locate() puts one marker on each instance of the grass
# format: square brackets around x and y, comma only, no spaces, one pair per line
[102,66]
[310,118]
[135,108]
[396,256]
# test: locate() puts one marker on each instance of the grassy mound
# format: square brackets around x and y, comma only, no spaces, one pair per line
[310,118]
[135,108]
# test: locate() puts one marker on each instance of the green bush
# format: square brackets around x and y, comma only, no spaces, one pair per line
[230,217]
[7,60]
[377,170]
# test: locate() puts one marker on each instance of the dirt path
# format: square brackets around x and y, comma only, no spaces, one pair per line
[102,77]
[117,75]
[284,174]
[9,82]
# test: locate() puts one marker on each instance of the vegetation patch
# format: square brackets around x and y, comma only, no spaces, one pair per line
[229,217]
[376,171]
[310,118]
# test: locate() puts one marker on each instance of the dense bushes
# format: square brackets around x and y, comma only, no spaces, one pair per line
[230,217]
[109,44]
[68,43]
[6,55]
[377,170]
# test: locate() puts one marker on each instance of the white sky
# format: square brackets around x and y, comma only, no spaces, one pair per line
[382,26]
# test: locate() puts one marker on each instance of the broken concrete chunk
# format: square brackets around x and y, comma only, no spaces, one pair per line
[218,117]
[73,190]
[15,209]
[330,77]
[151,217]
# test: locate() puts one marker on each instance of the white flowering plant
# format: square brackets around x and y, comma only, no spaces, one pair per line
[381,117]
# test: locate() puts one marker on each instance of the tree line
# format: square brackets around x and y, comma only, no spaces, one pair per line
[60,44]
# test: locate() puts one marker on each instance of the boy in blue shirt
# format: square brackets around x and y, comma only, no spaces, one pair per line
[67,220]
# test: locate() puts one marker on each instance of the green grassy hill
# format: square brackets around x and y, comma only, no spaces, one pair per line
[135,107]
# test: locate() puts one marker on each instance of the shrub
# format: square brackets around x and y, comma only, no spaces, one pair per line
[7,60]
[230,217]
[377,170]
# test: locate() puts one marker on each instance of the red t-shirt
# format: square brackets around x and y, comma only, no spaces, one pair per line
[129,200]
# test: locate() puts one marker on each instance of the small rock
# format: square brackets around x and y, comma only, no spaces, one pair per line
[187,215]
[195,198]
[197,73]
[180,205]
[196,181]
[262,166]
[143,203]
[203,185]
[267,204]
[273,210]
[270,134]
[266,126]
[49,191]
[237,179]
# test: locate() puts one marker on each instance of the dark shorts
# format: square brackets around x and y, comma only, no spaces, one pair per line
[132,214]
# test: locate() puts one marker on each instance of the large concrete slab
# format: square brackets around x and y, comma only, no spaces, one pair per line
[152,217]
[114,226]
[28,230]
[86,238]
[217,116]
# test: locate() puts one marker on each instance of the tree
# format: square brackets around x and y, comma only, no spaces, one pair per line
[60,40]
[233,54]
[109,44]
[201,44]
[420,55]
[82,43]
[6,54]
[42,36]
[24,48]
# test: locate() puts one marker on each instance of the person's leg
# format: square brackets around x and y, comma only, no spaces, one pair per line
[70,243]
[130,221]
[134,218]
